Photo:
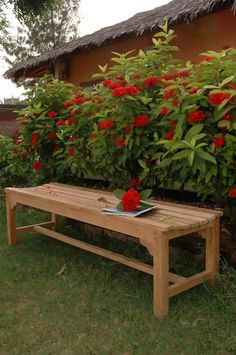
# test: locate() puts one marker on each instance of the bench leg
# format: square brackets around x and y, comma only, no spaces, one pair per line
[213,250]
[54,221]
[11,220]
[160,277]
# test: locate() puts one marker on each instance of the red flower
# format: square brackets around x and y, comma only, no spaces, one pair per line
[119,91]
[170,135]
[106,124]
[136,75]
[60,123]
[23,155]
[141,121]
[232,192]
[71,153]
[164,111]
[128,129]
[168,76]
[218,98]
[110,84]
[37,165]
[227,117]
[171,123]
[52,114]
[69,103]
[152,81]
[193,91]
[197,116]
[136,182]
[209,58]
[131,90]
[34,139]
[176,102]
[170,93]
[182,74]
[72,138]
[79,99]
[93,136]
[71,120]
[52,135]
[131,200]
[120,143]
[219,141]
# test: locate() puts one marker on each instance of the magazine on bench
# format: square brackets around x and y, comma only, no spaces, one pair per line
[143,208]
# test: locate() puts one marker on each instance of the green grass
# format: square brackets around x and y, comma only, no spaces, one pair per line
[99,307]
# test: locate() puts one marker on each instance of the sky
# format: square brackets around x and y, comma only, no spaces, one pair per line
[94,15]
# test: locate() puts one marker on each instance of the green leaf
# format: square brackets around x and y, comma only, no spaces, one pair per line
[196,129]
[145,194]
[180,155]
[119,193]
[206,156]
[119,206]
[227,80]
[191,158]
[142,163]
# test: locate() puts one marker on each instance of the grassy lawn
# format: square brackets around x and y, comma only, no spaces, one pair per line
[56,299]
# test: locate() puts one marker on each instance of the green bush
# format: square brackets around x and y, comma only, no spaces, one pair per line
[152,121]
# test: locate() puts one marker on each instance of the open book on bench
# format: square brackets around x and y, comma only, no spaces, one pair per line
[143,208]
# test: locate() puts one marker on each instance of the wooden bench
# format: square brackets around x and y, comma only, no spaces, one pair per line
[154,230]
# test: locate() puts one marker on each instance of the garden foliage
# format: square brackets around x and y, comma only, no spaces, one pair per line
[151,121]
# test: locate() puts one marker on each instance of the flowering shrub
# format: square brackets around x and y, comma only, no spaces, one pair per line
[152,120]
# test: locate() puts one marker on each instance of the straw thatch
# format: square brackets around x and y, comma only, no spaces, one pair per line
[176,11]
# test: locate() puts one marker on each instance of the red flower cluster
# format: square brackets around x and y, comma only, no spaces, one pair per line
[93,135]
[60,123]
[34,139]
[168,94]
[197,116]
[77,100]
[141,121]
[218,98]
[228,117]
[120,143]
[106,124]
[193,91]
[151,81]
[52,135]
[71,153]
[110,84]
[170,135]
[232,192]
[123,91]
[131,200]
[71,120]
[136,182]
[164,111]
[209,58]
[171,123]
[52,114]
[219,141]
[37,165]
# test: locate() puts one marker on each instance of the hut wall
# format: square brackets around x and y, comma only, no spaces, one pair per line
[212,32]
[8,123]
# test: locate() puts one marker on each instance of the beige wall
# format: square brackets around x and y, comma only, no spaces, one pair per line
[209,32]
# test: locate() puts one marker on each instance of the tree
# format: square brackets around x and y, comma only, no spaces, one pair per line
[43,32]
[23,7]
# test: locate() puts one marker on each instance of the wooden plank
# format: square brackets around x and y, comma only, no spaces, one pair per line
[88,214]
[189,283]
[105,253]
[133,263]
[160,279]
[30,228]
[162,204]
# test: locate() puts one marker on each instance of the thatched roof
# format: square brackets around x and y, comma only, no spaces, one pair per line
[176,11]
